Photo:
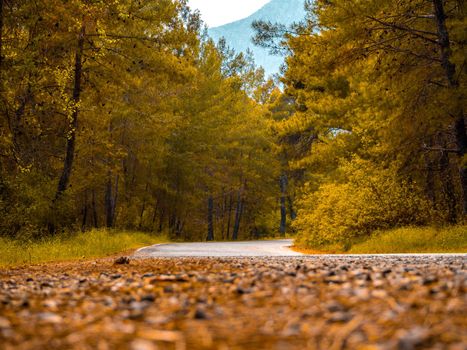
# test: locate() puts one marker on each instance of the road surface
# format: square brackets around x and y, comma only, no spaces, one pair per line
[220,249]
[271,248]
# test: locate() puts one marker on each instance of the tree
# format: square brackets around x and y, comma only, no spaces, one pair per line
[371,79]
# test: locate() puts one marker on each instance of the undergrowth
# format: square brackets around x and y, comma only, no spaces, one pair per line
[91,244]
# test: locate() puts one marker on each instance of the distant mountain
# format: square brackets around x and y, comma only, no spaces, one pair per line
[238,34]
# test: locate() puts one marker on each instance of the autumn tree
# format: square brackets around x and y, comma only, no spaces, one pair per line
[374,81]
[124,114]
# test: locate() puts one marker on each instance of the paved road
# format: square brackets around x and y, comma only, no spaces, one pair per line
[220,249]
[272,248]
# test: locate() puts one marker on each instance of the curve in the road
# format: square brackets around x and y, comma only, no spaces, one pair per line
[220,249]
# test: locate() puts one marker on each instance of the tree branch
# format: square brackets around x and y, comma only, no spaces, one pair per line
[415,32]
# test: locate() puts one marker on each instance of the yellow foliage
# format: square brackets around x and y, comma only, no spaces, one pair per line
[366,197]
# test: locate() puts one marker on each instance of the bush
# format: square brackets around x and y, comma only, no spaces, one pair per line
[363,198]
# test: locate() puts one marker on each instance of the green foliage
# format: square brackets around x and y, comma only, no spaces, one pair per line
[91,244]
[363,198]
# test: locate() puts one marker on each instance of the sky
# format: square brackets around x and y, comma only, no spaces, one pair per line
[218,12]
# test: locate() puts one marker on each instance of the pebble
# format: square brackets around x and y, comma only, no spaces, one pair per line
[237,303]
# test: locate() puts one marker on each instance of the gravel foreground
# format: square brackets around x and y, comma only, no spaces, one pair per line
[316,302]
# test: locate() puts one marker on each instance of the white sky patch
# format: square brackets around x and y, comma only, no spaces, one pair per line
[218,12]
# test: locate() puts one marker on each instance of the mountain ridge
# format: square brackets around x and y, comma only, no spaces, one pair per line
[238,34]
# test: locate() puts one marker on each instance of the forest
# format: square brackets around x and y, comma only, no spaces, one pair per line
[124,114]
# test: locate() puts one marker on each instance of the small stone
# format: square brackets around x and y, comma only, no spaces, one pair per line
[412,338]
[49,317]
[168,289]
[340,317]
[148,297]
[430,280]
[50,304]
[4,323]
[241,290]
[116,276]
[334,306]
[142,344]
[379,293]
[386,272]
[123,260]
[128,299]
[200,315]
[362,293]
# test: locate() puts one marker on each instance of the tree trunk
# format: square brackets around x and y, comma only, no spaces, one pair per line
[16,123]
[448,186]
[283,187]
[210,236]
[1,34]
[229,218]
[443,42]
[461,141]
[178,227]
[430,179]
[172,224]
[450,71]
[154,215]
[94,208]
[293,214]
[85,211]
[114,208]
[108,200]
[181,223]
[143,207]
[141,214]
[71,138]
[161,220]
[238,214]
[223,208]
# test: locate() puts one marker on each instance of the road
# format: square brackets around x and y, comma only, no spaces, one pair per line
[220,249]
[270,248]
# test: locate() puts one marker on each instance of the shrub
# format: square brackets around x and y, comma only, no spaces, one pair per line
[363,198]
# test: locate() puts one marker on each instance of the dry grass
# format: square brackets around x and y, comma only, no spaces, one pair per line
[451,239]
[92,244]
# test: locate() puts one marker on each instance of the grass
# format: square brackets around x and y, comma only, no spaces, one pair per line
[91,244]
[451,239]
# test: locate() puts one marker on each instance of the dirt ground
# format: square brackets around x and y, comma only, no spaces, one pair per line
[314,302]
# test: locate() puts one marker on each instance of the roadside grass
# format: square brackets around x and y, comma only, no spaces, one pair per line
[92,244]
[451,239]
